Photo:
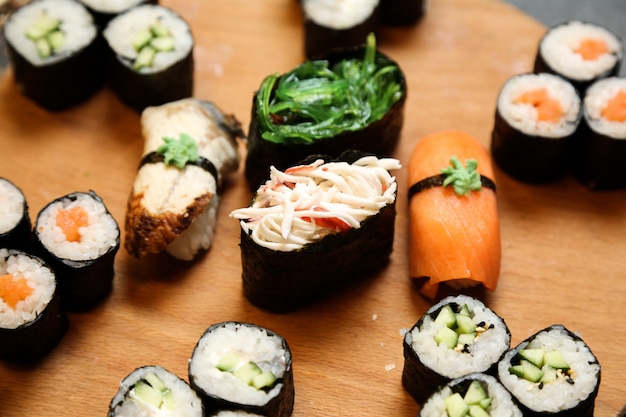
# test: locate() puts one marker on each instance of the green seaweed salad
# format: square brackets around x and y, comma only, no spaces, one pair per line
[316,100]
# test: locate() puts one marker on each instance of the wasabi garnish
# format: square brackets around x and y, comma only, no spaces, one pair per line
[179,152]
[463,179]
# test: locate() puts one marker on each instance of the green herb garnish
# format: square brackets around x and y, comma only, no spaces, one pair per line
[178,152]
[464,179]
[316,101]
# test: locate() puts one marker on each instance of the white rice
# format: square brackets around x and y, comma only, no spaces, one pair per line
[559,395]
[39,277]
[483,353]
[199,235]
[96,239]
[253,344]
[111,6]
[523,117]
[558,49]
[188,404]
[502,404]
[596,98]
[12,203]
[76,23]
[121,31]
[339,14]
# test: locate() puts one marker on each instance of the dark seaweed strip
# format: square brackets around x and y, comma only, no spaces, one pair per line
[201,162]
[437,181]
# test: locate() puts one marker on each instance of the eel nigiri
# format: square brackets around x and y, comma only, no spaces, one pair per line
[454,225]
[189,146]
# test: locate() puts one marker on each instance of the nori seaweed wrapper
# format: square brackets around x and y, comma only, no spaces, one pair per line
[20,236]
[82,283]
[281,405]
[421,381]
[379,137]
[401,12]
[33,340]
[102,18]
[584,408]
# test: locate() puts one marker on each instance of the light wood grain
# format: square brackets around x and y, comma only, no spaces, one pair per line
[563,246]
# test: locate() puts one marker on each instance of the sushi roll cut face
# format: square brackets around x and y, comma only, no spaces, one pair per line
[12,206]
[605,107]
[111,6]
[339,15]
[48,31]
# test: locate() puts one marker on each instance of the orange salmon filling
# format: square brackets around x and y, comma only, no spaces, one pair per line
[615,110]
[13,290]
[592,49]
[548,109]
[71,220]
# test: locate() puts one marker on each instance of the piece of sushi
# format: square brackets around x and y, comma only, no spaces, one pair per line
[600,150]
[552,373]
[154,391]
[308,110]
[150,56]
[79,238]
[536,122]
[55,52]
[402,12]
[103,11]
[454,224]
[15,223]
[580,52]
[330,24]
[316,227]
[32,320]
[190,145]
[473,395]
[455,337]
[233,413]
[243,367]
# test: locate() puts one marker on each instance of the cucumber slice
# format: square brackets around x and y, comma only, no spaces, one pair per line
[465,310]
[155,382]
[55,39]
[465,324]
[555,359]
[477,411]
[163,43]
[229,361]
[264,379]
[168,402]
[549,374]
[485,403]
[534,356]
[141,39]
[247,372]
[143,392]
[144,58]
[475,393]
[447,337]
[455,406]
[159,29]
[42,26]
[527,371]
[466,339]
[446,317]
[43,48]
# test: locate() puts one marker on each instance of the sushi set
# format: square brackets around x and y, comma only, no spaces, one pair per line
[209,211]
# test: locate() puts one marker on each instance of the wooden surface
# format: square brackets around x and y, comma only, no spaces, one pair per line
[563,246]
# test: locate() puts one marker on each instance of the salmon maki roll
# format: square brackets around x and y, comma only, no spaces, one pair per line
[454,225]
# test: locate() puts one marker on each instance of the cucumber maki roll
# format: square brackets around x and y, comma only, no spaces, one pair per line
[552,373]
[473,395]
[455,337]
[55,51]
[309,111]
[316,227]
[32,321]
[105,10]
[243,367]
[150,55]
[15,223]
[79,238]
[154,391]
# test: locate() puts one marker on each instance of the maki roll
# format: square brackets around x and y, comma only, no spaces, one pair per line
[580,52]
[152,391]
[233,413]
[330,24]
[317,227]
[308,110]
[536,123]
[79,238]
[105,10]
[455,337]
[190,145]
[552,373]
[150,55]
[55,51]
[474,395]
[32,321]
[454,224]
[601,145]
[243,367]
[15,224]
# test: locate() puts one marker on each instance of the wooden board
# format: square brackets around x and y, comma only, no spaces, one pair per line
[563,246]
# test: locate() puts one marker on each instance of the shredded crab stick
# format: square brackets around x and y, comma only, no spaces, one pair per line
[307,202]
[615,110]
[591,49]
[455,231]
[548,108]
[13,290]
[71,220]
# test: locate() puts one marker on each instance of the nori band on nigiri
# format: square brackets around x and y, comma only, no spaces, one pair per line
[202,162]
[438,180]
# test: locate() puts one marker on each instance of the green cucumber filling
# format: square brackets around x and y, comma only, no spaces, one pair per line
[152,391]
[474,402]
[316,100]
[541,366]
[459,329]
[46,34]
[248,372]
[150,41]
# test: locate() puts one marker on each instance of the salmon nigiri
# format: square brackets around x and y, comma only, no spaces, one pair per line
[454,226]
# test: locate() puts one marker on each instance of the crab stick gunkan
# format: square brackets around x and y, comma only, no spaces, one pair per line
[454,225]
